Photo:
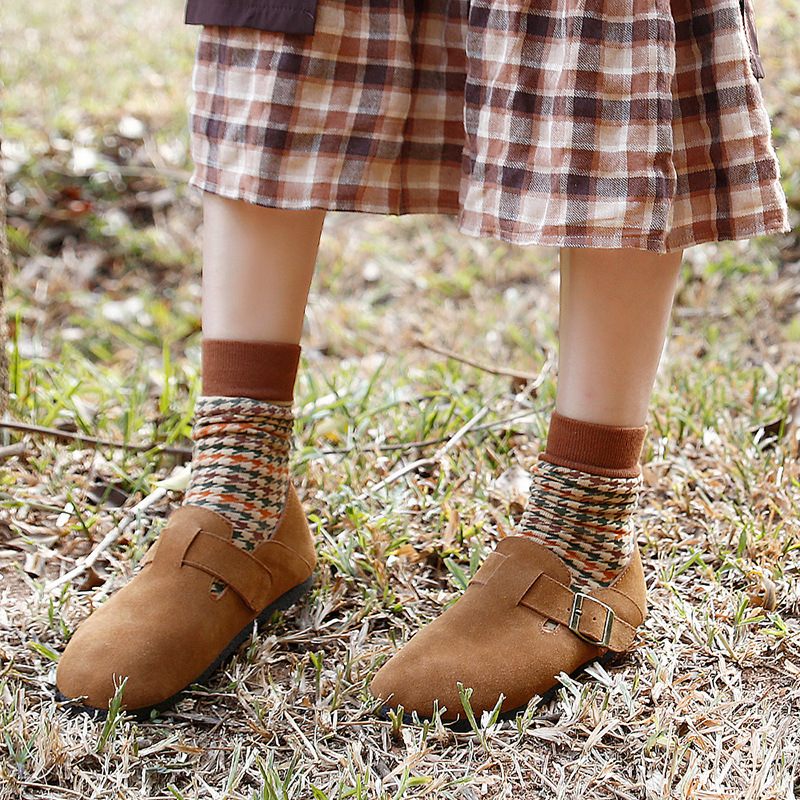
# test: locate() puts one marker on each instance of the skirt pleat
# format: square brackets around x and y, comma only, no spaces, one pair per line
[577,123]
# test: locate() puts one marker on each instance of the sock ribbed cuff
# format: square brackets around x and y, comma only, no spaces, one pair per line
[609,450]
[242,368]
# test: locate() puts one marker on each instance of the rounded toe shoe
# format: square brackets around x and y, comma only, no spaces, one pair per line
[515,629]
[165,629]
[148,635]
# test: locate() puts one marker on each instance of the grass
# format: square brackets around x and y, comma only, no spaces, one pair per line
[104,314]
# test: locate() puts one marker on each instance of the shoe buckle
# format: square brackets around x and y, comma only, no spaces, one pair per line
[575,619]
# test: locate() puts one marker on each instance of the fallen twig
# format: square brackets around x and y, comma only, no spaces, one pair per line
[419,444]
[16,449]
[138,171]
[426,462]
[109,538]
[82,437]
[507,372]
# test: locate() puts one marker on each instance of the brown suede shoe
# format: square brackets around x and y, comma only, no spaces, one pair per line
[516,627]
[164,629]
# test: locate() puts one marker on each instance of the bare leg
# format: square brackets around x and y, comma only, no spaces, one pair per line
[614,312]
[613,318]
[257,268]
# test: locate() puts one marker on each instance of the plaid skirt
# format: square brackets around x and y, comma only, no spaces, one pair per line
[575,123]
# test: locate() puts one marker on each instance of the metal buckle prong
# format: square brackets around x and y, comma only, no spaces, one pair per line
[575,619]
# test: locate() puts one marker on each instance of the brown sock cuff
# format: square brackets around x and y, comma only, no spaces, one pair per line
[591,447]
[261,370]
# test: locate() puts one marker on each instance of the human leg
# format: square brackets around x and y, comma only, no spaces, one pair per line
[614,312]
[257,268]
[238,547]
[531,611]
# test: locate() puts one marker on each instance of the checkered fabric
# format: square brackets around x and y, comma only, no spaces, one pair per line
[578,123]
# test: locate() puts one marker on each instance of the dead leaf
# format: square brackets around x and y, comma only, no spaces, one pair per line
[34,564]
[512,487]
[91,581]
[769,432]
[763,593]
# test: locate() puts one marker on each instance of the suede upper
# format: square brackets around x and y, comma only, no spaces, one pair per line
[164,628]
[495,637]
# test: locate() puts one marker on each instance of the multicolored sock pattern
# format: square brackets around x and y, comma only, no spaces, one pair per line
[585,519]
[240,463]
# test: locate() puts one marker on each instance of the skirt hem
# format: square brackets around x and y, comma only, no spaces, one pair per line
[774,221]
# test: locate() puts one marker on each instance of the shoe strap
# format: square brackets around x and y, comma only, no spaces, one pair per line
[584,614]
[595,617]
[223,559]
[191,546]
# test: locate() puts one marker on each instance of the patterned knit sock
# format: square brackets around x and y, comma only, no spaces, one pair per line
[242,434]
[240,463]
[583,496]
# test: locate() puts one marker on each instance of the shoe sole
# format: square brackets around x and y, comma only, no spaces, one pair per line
[283,602]
[462,725]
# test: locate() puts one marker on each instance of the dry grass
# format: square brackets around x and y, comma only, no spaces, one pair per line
[107,343]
